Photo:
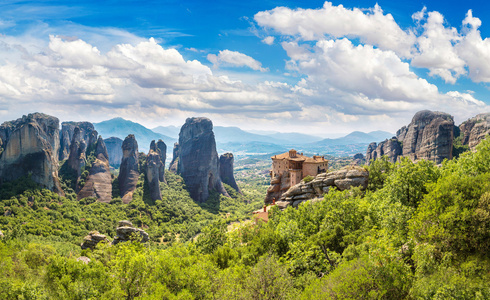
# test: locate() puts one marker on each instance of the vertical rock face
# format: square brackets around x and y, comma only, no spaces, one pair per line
[77,158]
[128,172]
[99,180]
[226,170]
[114,149]
[66,136]
[371,152]
[175,159]
[392,148]
[31,146]
[475,129]
[429,136]
[162,150]
[198,160]
[153,165]
[155,168]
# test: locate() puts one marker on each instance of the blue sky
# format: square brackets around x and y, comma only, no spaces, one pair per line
[311,66]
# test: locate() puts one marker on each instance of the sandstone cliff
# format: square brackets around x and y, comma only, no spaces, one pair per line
[77,157]
[31,146]
[155,168]
[475,129]
[175,159]
[66,136]
[392,148]
[226,170]
[99,181]
[198,160]
[114,149]
[343,179]
[429,136]
[128,172]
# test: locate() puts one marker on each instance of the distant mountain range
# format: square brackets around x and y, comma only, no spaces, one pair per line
[238,141]
[120,128]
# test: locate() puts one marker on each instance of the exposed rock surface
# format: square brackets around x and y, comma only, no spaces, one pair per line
[359,159]
[279,185]
[128,172]
[343,179]
[66,136]
[198,160]
[31,148]
[226,170]
[175,159]
[114,149]
[125,231]
[77,157]
[475,129]
[153,169]
[429,136]
[392,148]
[92,239]
[99,181]
[162,151]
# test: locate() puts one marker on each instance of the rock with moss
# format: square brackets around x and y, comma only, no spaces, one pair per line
[127,232]
[93,239]
[343,179]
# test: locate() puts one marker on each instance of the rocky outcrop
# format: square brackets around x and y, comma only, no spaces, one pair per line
[114,149]
[126,232]
[429,136]
[198,160]
[67,133]
[343,179]
[99,181]
[77,157]
[175,159]
[162,151]
[92,239]
[153,168]
[128,171]
[31,148]
[359,159]
[474,130]
[226,170]
[392,148]
[279,185]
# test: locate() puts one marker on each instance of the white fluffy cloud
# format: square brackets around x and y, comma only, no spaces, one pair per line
[372,26]
[73,72]
[235,59]
[269,40]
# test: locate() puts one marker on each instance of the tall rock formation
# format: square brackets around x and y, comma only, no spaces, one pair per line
[114,149]
[128,172]
[392,148]
[153,165]
[429,136]
[77,157]
[162,151]
[155,168]
[31,146]
[226,170]
[175,159]
[66,136]
[198,160]
[475,129]
[99,181]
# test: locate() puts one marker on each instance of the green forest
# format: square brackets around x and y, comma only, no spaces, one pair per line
[419,231]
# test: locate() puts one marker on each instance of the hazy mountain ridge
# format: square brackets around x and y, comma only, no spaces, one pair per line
[119,127]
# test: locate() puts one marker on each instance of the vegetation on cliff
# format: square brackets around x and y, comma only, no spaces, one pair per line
[418,231]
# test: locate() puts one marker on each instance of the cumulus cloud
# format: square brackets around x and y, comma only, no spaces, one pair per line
[268,40]
[235,59]
[73,73]
[371,26]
